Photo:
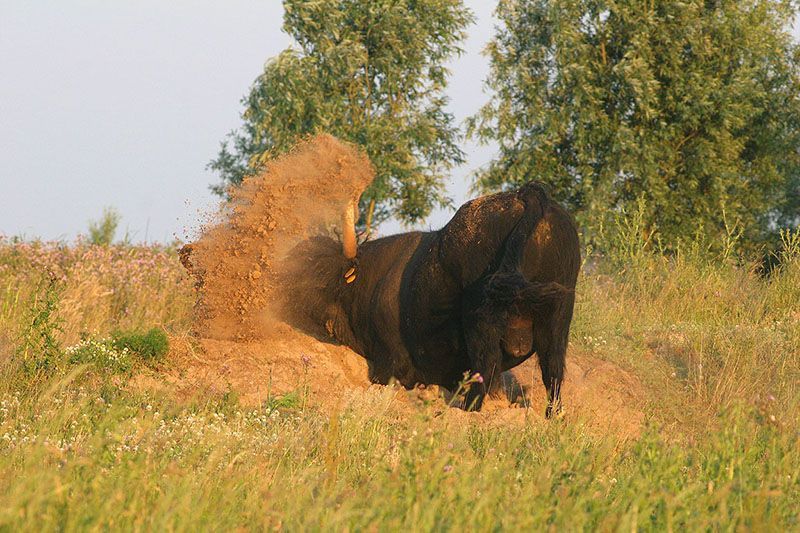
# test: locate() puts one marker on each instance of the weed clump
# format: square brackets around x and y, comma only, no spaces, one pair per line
[117,354]
[39,348]
[121,352]
[150,346]
[102,354]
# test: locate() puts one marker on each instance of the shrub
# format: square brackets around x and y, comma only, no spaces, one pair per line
[121,351]
[102,232]
[150,346]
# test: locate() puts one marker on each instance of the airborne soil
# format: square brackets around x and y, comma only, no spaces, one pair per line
[241,346]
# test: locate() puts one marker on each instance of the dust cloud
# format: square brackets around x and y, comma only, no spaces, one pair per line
[239,256]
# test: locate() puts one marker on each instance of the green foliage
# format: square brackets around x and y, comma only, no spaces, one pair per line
[122,351]
[150,346]
[785,279]
[103,354]
[628,241]
[38,348]
[693,106]
[708,330]
[291,400]
[789,255]
[371,73]
[102,232]
[361,468]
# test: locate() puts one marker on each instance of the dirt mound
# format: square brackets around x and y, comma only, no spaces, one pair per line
[600,394]
[237,259]
[288,361]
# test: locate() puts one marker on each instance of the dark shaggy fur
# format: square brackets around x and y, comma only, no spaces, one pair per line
[482,294]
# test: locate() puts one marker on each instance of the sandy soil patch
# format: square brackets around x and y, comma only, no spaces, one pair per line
[601,395]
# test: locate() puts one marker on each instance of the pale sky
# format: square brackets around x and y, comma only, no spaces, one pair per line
[123,104]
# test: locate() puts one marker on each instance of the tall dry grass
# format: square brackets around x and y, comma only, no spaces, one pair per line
[705,330]
[99,287]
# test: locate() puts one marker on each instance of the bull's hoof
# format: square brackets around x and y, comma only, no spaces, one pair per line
[553,411]
[473,399]
[473,405]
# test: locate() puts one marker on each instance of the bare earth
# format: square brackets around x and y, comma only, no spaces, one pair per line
[600,394]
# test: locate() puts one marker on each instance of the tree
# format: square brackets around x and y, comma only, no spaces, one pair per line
[692,106]
[102,232]
[367,71]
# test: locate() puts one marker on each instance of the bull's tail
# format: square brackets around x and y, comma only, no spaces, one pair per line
[535,199]
[508,286]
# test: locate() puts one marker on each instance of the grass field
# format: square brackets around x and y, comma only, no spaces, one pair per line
[716,346]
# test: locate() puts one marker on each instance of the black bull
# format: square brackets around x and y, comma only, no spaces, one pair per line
[480,296]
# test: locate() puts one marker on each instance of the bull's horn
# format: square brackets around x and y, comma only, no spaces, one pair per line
[349,231]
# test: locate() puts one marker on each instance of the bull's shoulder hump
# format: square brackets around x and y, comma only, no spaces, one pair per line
[552,253]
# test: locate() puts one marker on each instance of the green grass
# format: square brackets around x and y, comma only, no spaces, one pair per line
[151,346]
[83,454]
[716,346]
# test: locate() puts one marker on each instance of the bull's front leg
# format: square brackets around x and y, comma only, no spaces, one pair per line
[551,339]
[484,321]
[552,377]
[551,350]
[485,359]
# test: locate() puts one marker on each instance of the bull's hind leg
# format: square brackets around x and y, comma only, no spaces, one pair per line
[551,338]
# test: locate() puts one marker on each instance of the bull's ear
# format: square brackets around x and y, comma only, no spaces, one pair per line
[349,245]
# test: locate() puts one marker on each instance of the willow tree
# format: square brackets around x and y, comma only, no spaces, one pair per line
[367,71]
[691,106]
